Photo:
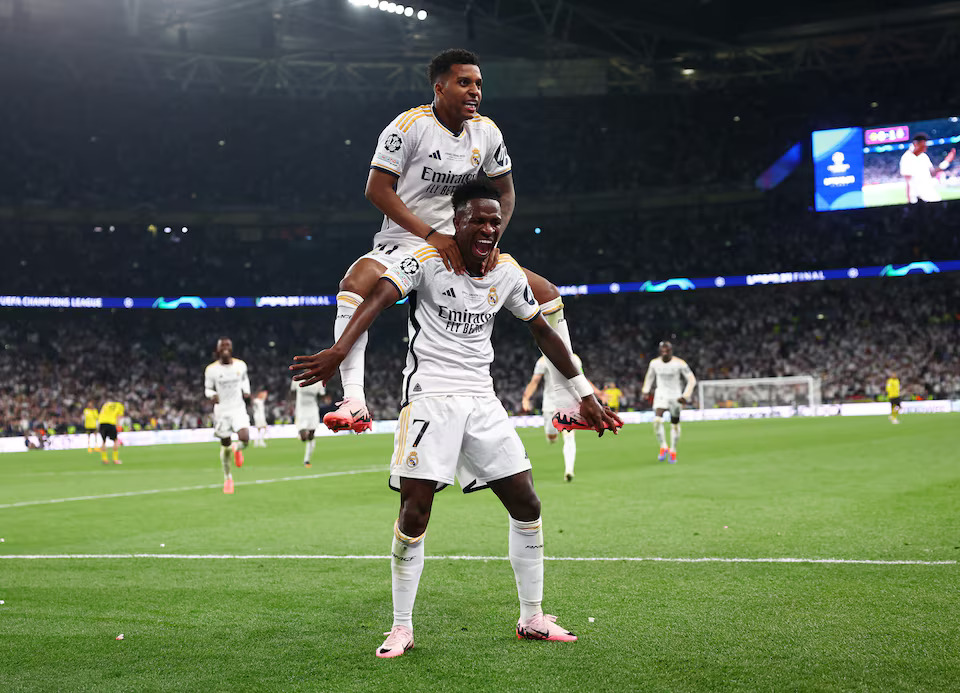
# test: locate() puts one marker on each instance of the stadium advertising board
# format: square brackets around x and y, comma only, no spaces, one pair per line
[857,167]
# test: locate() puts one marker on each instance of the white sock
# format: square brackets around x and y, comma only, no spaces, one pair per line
[569,451]
[309,450]
[225,452]
[674,436]
[526,557]
[658,429]
[406,566]
[563,394]
[351,369]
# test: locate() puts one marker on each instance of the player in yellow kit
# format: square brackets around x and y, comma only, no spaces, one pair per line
[110,414]
[893,394]
[90,424]
[612,395]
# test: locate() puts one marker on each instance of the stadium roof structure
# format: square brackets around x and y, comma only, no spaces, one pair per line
[312,48]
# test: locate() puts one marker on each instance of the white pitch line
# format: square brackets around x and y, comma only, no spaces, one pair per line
[125,494]
[371,557]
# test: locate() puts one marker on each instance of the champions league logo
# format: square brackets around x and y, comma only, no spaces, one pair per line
[393,143]
[409,266]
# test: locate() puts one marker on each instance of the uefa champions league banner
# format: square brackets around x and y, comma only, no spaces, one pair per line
[78,441]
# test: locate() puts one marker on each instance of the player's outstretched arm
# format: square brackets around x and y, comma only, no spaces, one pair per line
[599,417]
[380,192]
[322,366]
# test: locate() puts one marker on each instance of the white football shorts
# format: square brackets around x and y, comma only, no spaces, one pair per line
[670,403]
[460,437]
[306,419]
[387,249]
[229,421]
[259,420]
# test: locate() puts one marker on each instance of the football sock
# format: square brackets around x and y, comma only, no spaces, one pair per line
[674,436]
[406,566]
[116,453]
[309,450]
[658,429]
[225,452]
[563,394]
[526,557]
[569,451]
[103,452]
[351,369]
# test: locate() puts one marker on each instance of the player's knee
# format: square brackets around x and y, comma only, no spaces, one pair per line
[303,436]
[244,435]
[543,289]
[414,517]
[657,421]
[527,508]
[361,278]
[225,442]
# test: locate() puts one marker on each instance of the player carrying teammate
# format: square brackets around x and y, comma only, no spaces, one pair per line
[259,406]
[306,415]
[919,173]
[667,375]
[420,158]
[109,417]
[893,394]
[90,423]
[452,424]
[227,384]
[549,408]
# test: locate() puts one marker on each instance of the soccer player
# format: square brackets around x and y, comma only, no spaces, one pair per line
[420,158]
[612,395]
[258,405]
[452,424]
[667,374]
[90,424]
[549,408]
[108,417]
[919,173]
[893,394]
[306,415]
[227,384]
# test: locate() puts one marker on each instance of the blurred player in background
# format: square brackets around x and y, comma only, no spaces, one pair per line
[306,415]
[542,374]
[893,394]
[227,383]
[420,158]
[666,376]
[919,173]
[90,423]
[109,418]
[259,407]
[452,426]
[612,395]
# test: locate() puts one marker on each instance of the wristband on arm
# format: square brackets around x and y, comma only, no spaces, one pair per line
[581,385]
[431,232]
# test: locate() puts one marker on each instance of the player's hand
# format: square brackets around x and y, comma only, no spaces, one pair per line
[318,368]
[682,400]
[525,406]
[599,416]
[215,399]
[951,155]
[449,251]
[492,259]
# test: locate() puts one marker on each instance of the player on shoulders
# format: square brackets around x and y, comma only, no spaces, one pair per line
[227,384]
[258,405]
[90,423]
[109,418]
[542,374]
[306,416]
[452,426]
[673,382]
[893,394]
[420,158]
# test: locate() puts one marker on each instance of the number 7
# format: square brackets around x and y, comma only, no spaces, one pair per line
[423,430]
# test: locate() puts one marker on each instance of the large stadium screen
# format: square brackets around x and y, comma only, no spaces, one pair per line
[860,167]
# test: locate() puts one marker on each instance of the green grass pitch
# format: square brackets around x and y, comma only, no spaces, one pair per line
[885,194]
[840,488]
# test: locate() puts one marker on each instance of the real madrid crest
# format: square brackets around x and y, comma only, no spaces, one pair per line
[412,460]
[492,297]
[475,157]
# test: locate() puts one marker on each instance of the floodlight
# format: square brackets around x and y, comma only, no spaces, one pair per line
[421,15]
[408,12]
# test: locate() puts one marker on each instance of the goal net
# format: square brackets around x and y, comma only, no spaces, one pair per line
[787,391]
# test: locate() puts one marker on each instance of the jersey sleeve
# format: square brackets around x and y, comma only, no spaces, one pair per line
[497,161]
[407,273]
[245,381]
[690,379]
[541,367]
[520,300]
[209,384]
[393,148]
[650,380]
[905,164]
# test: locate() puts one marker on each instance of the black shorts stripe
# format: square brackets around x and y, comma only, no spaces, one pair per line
[416,362]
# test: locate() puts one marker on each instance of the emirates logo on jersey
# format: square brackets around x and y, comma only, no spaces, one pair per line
[475,157]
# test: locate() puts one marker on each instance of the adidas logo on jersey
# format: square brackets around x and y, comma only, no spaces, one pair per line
[436,155]
[417,388]
[449,292]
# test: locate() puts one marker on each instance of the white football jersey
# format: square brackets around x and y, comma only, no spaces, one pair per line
[549,386]
[451,322]
[229,382]
[669,377]
[922,183]
[308,398]
[429,162]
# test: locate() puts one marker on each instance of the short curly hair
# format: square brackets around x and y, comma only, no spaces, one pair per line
[478,189]
[442,62]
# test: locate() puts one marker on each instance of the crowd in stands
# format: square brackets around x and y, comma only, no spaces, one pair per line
[852,335]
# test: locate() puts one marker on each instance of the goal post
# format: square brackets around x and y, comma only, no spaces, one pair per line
[791,390]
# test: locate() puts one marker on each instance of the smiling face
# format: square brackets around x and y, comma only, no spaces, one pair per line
[478,230]
[458,93]
[919,146]
[225,350]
